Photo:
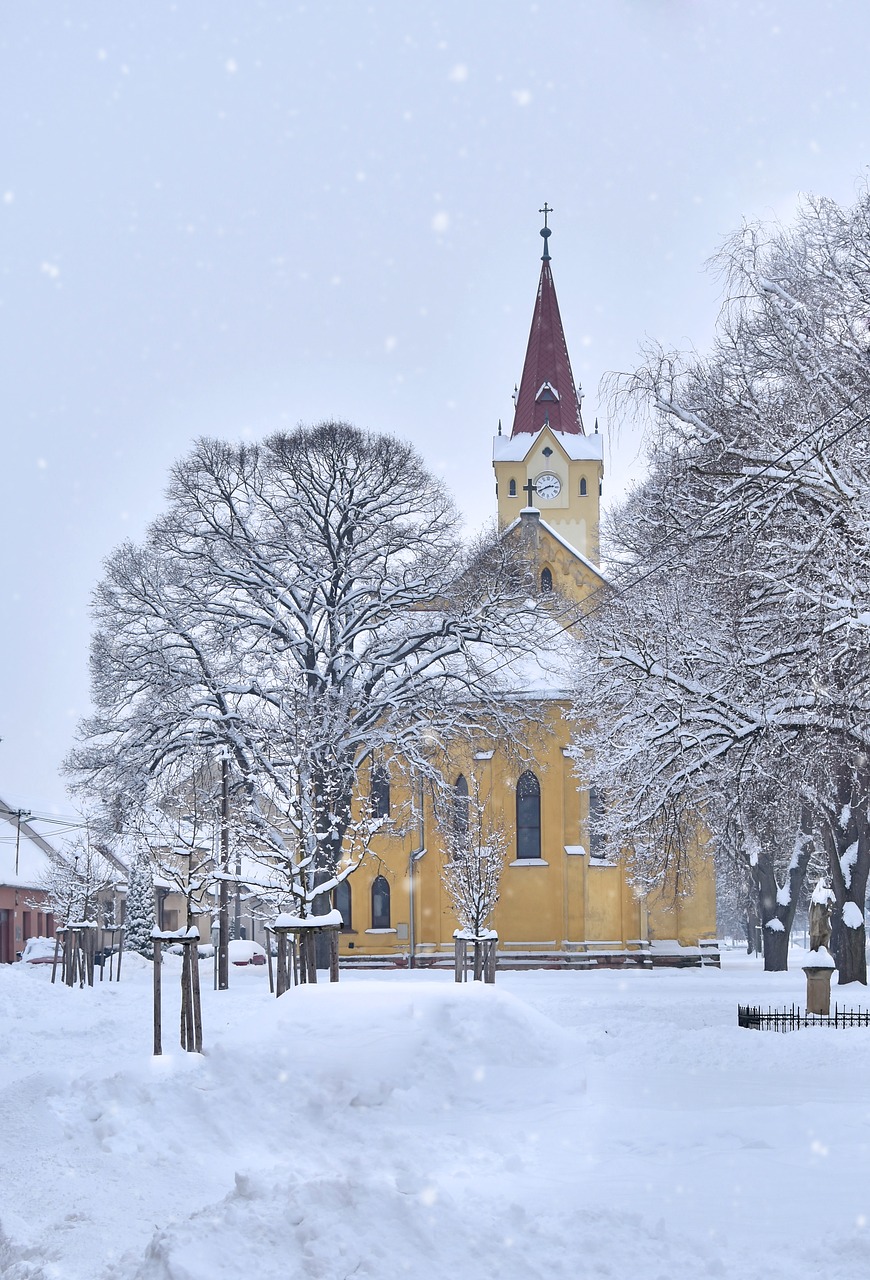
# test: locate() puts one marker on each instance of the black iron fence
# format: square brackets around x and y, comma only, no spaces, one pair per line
[758,1019]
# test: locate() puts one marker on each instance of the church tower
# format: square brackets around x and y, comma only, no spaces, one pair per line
[548,461]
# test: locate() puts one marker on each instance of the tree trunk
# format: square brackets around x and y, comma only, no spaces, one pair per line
[775,943]
[774,910]
[753,925]
[852,958]
[847,841]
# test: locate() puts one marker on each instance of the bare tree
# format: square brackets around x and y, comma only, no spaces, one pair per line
[735,645]
[77,885]
[476,852]
[308,606]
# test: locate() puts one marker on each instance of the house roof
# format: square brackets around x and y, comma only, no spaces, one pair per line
[24,857]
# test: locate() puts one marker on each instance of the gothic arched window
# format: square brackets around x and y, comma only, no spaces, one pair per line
[460,811]
[583,487]
[528,816]
[546,580]
[380,903]
[341,900]
[380,792]
[512,489]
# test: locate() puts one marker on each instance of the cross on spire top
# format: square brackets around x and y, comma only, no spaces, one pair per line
[546,232]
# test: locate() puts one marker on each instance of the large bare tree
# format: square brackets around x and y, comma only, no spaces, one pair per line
[308,606]
[734,651]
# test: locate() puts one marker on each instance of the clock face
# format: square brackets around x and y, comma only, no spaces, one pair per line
[548,485]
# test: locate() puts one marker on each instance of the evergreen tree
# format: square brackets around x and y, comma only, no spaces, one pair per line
[140,906]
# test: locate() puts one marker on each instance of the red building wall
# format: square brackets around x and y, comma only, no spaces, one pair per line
[22,916]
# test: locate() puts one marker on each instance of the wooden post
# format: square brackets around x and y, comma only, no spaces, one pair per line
[281,985]
[158,1039]
[458,957]
[197,1003]
[56,952]
[120,951]
[489,966]
[333,955]
[188,1038]
[90,936]
[310,936]
[183,1011]
[269,936]
[68,975]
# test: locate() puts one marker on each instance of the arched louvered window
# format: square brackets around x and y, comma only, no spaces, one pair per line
[583,487]
[341,900]
[512,489]
[380,793]
[460,811]
[528,816]
[380,903]
[546,580]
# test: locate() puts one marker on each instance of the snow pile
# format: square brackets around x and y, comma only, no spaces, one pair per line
[822,895]
[569,1125]
[853,916]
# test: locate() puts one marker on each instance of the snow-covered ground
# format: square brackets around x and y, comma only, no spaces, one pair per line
[574,1125]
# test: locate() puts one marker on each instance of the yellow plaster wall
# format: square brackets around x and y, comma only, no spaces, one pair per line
[567,898]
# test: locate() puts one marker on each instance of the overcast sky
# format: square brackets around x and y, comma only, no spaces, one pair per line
[228,218]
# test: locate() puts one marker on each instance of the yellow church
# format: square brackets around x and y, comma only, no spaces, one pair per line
[564,899]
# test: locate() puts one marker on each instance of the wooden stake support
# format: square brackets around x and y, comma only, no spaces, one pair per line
[191,1006]
[296,959]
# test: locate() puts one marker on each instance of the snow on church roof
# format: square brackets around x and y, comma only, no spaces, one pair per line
[578,448]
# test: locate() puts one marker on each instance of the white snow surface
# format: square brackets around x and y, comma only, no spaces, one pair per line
[576,446]
[847,862]
[566,1125]
[853,916]
[822,894]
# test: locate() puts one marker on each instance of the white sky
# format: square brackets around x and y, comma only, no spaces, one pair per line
[227,218]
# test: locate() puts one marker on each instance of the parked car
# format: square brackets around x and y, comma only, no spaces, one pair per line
[38,951]
[243,951]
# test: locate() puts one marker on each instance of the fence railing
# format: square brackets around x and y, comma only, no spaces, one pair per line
[758,1019]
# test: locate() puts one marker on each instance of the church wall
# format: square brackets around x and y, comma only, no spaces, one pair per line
[566,898]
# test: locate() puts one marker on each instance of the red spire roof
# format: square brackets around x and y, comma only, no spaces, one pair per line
[547,391]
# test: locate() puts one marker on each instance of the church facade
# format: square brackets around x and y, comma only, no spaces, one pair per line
[564,900]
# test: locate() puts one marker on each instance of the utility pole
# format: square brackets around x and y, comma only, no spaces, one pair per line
[224,913]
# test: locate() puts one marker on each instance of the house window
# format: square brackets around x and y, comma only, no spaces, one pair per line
[546,580]
[380,794]
[460,811]
[597,838]
[512,489]
[380,903]
[528,816]
[583,487]
[341,900]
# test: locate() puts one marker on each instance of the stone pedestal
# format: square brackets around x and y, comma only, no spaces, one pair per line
[818,988]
